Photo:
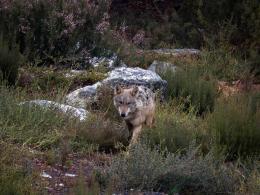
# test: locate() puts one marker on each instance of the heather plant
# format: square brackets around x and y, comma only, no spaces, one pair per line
[188,23]
[147,169]
[49,31]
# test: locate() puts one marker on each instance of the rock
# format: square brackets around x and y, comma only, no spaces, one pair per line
[123,76]
[46,175]
[75,112]
[82,96]
[70,175]
[135,76]
[160,67]
[178,52]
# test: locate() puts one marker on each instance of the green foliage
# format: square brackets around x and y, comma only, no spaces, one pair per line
[234,126]
[191,89]
[10,59]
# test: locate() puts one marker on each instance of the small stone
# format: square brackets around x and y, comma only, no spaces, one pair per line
[70,175]
[46,175]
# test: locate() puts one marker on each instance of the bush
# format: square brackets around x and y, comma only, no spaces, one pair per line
[235,126]
[10,59]
[147,169]
[191,89]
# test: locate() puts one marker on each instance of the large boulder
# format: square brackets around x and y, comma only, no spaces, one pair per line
[82,96]
[122,76]
[135,76]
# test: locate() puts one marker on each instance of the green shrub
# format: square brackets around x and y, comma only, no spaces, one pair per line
[235,126]
[10,58]
[147,169]
[191,89]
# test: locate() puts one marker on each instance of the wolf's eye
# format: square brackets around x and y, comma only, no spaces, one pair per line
[128,103]
[120,102]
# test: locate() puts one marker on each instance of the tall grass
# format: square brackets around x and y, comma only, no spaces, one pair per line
[173,129]
[191,89]
[222,63]
[29,125]
[235,126]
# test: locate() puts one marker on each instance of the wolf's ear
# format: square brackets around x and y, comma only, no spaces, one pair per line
[134,91]
[118,89]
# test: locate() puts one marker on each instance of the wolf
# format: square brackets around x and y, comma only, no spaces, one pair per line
[136,105]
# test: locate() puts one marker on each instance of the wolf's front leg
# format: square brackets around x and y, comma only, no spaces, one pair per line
[150,121]
[136,132]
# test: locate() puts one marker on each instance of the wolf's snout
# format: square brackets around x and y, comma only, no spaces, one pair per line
[123,115]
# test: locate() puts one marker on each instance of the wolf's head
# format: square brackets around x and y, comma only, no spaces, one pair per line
[125,101]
